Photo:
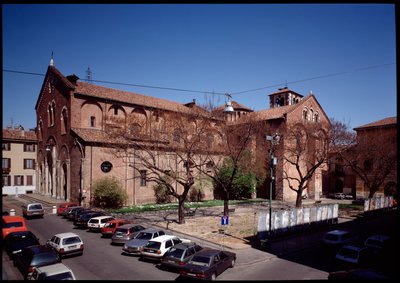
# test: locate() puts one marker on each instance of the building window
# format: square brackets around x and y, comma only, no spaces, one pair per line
[64,119]
[92,121]
[29,147]
[6,180]
[6,146]
[18,180]
[209,140]
[115,111]
[305,113]
[6,164]
[29,180]
[51,110]
[177,136]
[106,166]
[143,177]
[135,128]
[29,163]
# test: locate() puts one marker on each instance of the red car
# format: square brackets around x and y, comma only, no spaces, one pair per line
[62,207]
[110,227]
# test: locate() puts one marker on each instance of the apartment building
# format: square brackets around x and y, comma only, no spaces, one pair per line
[19,153]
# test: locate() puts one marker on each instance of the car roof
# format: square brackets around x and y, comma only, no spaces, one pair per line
[66,234]
[102,217]
[8,218]
[163,238]
[185,245]
[53,268]
[129,225]
[355,247]
[20,233]
[379,237]
[208,252]
[338,232]
[151,230]
[39,248]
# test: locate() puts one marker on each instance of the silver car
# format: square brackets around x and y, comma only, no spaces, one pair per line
[135,246]
[125,233]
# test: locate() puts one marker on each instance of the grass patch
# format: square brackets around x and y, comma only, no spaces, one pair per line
[350,206]
[174,206]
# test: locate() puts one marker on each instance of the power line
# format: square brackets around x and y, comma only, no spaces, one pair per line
[126,84]
[314,78]
[219,93]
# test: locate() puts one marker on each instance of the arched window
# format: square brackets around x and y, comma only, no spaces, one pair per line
[310,116]
[316,116]
[177,136]
[64,119]
[92,122]
[305,113]
[209,139]
[50,115]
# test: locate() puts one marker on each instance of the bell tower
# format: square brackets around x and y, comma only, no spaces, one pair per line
[283,97]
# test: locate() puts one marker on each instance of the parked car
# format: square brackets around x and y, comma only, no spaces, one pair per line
[16,241]
[57,271]
[35,256]
[79,212]
[355,255]
[71,212]
[33,210]
[125,233]
[136,245]
[68,211]
[110,227]
[359,201]
[157,247]
[179,255]
[66,244]
[96,223]
[208,264]
[339,196]
[377,242]
[83,218]
[5,212]
[12,224]
[337,238]
[62,207]
[348,196]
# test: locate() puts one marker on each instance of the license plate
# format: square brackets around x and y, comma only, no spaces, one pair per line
[150,251]
[191,274]
[72,247]
[171,261]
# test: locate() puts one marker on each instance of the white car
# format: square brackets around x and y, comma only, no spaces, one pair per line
[66,244]
[354,255]
[96,223]
[57,271]
[157,247]
[337,238]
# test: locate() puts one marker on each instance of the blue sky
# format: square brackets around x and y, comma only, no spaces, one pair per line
[344,53]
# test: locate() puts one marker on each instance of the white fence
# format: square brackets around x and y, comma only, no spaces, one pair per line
[378,203]
[284,221]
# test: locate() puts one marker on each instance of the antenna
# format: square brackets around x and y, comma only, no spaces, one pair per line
[89,75]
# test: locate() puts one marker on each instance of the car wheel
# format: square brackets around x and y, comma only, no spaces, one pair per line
[213,277]
[233,263]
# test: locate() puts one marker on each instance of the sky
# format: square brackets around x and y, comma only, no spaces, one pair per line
[345,54]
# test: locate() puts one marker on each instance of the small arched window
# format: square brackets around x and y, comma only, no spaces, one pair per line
[316,116]
[135,128]
[177,136]
[92,121]
[64,119]
[305,113]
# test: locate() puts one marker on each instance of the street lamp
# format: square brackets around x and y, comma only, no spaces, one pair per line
[273,161]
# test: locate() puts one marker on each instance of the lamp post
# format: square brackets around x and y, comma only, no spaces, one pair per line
[273,160]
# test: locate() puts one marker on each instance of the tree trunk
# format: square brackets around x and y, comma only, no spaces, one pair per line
[299,198]
[226,204]
[181,210]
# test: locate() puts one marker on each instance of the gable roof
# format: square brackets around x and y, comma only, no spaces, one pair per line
[235,105]
[390,121]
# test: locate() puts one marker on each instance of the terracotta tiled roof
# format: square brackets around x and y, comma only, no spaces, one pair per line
[381,123]
[19,135]
[129,97]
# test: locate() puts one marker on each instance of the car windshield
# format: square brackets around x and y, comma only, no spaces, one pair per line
[12,224]
[153,245]
[61,276]
[175,253]
[45,258]
[200,260]
[375,243]
[36,206]
[144,236]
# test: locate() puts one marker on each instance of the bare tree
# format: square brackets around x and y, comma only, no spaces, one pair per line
[372,157]
[306,149]
[172,150]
